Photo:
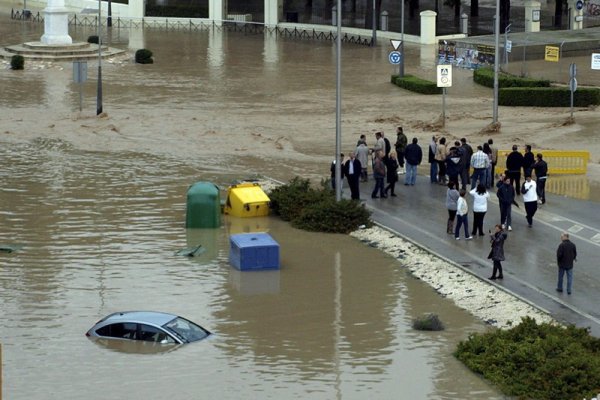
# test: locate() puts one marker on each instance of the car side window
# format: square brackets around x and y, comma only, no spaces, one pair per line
[151,334]
[120,330]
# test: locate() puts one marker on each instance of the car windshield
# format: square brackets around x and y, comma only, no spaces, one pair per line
[187,331]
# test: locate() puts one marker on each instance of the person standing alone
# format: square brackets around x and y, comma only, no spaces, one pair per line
[566,254]
[497,239]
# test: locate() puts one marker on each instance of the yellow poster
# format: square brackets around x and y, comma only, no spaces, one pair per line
[551,53]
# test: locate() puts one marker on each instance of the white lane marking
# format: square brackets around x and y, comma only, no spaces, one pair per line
[575,228]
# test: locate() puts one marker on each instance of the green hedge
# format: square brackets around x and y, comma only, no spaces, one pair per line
[548,97]
[17,62]
[485,77]
[144,56]
[316,209]
[532,361]
[416,84]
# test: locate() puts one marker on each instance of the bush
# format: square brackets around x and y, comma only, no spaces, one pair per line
[428,322]
[416,84]
[536,361]
[143,56]
[485,77]
[548,97]
[17,62]
[93,39]
[316,209]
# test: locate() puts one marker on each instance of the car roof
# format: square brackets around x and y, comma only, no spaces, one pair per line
[150,317]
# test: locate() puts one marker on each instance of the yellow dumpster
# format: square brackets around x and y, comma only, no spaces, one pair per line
[246,200]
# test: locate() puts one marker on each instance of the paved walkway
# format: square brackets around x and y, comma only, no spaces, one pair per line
[530,271]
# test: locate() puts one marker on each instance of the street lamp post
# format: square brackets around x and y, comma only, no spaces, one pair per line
[496,61]
[401,66]
[338,105]
[374,22]
[109,17]
[99,91]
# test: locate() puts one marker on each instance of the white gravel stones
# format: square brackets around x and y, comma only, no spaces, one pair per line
[483,299]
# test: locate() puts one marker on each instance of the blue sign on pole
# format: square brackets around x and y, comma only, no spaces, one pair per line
[579,5]
[395,57]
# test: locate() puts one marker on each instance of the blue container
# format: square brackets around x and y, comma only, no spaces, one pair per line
[253,251]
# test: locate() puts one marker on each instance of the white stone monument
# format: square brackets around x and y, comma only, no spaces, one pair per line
[56,24]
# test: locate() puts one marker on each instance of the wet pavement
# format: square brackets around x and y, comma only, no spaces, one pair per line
[530,270]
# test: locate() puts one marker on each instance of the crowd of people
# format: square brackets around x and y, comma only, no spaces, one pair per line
[458,166]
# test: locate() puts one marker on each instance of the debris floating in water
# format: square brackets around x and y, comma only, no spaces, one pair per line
[191,252]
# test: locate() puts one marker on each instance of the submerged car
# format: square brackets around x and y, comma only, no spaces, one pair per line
[148,326]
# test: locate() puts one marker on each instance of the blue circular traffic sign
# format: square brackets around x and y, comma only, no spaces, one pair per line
[579,5]
[395,57]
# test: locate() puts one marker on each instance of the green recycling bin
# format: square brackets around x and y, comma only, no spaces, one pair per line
[203,206]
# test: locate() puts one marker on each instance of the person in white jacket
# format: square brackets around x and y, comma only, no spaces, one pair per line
[480,200]
[462,214]
[530,198]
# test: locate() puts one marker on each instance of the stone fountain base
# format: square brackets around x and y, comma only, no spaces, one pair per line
[39,51]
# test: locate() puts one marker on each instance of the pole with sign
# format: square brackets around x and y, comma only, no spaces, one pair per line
[444,80]
[572,83]
[80,76]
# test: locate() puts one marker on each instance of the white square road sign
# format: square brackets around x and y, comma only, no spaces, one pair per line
[444,75]
[595,60]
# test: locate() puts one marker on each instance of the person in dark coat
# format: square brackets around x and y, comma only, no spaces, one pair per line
[541,174]
[391,168]
[528,161]
[352,169]
[497,239]
[514,163]
[566,255]
[413,156]
[506,198]
[453,165]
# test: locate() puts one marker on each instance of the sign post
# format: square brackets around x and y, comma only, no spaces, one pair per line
[80,76]
[444,80]
[572,83]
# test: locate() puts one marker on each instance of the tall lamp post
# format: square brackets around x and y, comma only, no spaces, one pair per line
[374,43]
[338,105]
[99,91]
[496,59]
[109,17]
[401,72]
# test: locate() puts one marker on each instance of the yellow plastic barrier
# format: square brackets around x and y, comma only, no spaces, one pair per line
[560,162]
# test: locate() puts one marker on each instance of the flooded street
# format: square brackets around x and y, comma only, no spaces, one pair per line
[97,209]
[98,233]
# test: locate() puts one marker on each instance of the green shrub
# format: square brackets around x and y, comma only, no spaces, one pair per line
[17,62]
[416,84]
[485,77]
[548,97]
[536,361]
[316,209]
[143,56]
[428,322]
[93,39]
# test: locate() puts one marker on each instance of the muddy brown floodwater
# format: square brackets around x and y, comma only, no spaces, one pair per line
[97,209]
